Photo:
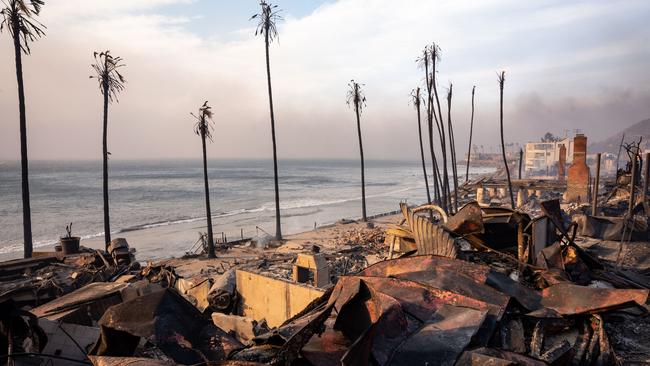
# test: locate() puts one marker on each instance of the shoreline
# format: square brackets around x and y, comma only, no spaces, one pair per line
[169,239]
[151,251]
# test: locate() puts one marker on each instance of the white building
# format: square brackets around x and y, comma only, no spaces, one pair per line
[541,158]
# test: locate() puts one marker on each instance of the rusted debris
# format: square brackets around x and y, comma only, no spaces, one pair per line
[443,337]
[168,321]
[84,306]
[429,238]
[570,299]
[468,220]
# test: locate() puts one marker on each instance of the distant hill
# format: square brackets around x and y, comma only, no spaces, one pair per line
[633,132]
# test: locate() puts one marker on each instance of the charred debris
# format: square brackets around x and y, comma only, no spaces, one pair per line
[560,280]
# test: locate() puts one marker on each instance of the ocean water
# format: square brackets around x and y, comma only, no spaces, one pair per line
[150,200]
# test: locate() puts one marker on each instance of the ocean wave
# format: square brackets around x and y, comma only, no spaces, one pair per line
[267,207]
[17,247]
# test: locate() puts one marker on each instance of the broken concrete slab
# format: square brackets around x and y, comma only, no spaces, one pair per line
[243,328]
[273,299]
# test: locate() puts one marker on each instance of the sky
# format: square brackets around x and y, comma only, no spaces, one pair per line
[570,65]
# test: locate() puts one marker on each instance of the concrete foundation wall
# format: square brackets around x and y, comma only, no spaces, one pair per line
[272,299]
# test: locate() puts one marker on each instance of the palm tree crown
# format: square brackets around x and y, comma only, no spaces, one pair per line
[18,16]
[355,96]
[204,123]
[267,19]
[108,75]
[417,98]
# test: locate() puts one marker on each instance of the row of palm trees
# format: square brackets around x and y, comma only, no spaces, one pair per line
[19,20]
[443,195]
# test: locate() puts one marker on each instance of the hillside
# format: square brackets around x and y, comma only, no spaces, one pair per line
[633,132]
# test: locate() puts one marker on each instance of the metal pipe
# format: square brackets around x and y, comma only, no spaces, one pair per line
[594,201]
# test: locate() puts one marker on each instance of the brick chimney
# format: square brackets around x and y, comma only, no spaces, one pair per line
[577,187]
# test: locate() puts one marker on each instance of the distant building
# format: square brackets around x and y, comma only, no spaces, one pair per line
[608,164]
[541,158]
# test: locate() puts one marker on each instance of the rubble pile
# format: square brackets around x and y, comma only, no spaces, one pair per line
[490,304]
[34,281]
[371,239]
[486,285]
[351,251]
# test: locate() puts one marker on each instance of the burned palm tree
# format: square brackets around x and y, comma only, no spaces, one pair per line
[501,78]
[203,127]
[111,82]
[452,147]
[18,18]
[423,62]
[357,99]
[266,27]
[434,57]
[417,102]
[471,130]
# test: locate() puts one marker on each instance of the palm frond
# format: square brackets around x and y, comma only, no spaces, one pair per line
[204,124]
[435,52]
[355,96]
[417,99]
[501,78]
[18,18]
[107,73]
[423,60]
[268,17]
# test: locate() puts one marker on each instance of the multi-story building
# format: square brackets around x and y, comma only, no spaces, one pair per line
[541,158]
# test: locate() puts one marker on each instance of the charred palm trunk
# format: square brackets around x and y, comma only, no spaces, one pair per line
[278,227]
[437,181]
[503,144]
[424,166]
[27,212]
[471,130]
[430,114]
[452,148]
[107,224]
[208,212]
[363,177]
[443,145]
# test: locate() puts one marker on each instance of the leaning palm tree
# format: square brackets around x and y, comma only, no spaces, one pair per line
[18,18]
[111,82]
[203,128]
[266,27]
[417,102]
[357,99]
[502,78]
